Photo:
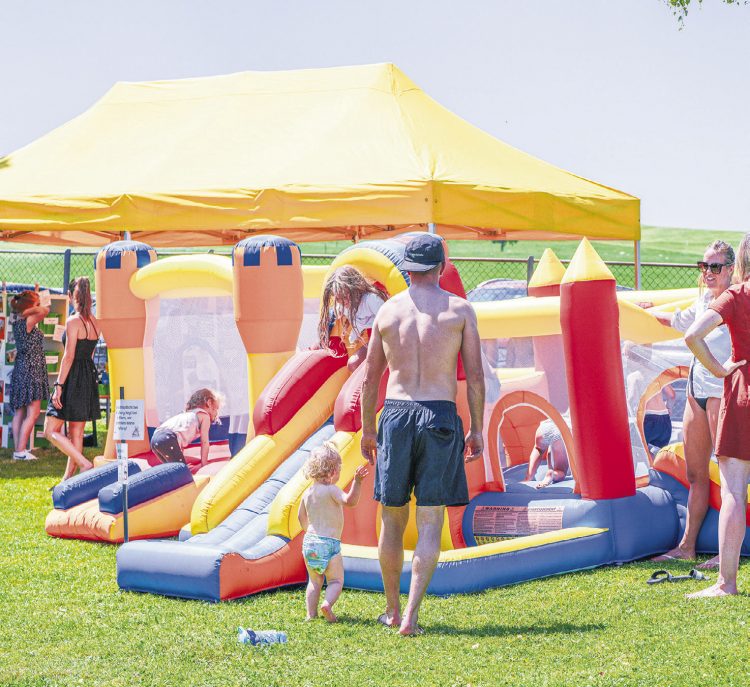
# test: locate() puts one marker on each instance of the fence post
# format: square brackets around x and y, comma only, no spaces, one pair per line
[529,268]
[637,265]
[66,270]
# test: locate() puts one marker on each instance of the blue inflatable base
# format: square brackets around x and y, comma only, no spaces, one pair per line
[708,537]
[634,527]
[144,486]
[86,485]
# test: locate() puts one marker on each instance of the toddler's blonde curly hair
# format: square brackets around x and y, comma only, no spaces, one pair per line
[322,462]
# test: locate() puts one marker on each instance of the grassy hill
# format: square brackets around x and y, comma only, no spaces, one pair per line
[658,244]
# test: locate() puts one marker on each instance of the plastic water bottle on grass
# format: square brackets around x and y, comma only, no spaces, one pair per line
[261,637]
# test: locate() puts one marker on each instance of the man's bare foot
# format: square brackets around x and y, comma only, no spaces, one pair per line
[393,620]
[311,617]
[710,564]
[410,630]
[712,591]
[327,611]
[676,554]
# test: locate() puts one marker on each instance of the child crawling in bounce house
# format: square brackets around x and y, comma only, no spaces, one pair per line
[321,515]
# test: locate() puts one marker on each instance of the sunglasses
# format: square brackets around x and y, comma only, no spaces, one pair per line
[714,267]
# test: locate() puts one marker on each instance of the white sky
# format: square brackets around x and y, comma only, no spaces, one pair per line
[608,89]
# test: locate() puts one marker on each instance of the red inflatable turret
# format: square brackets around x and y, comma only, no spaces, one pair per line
[589,318]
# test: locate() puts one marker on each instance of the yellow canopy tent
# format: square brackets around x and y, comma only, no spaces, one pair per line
[346,152]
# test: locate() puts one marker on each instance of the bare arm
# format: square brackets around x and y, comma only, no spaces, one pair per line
[696,342]
[557,459]
[664,318]
[534,459]
[351,497]
[205,426]
[375,364]
[71,337]
[304,521]
[471,354]
[34,316]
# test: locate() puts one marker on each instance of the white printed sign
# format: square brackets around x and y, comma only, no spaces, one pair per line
[129,422]
[121,451]
[58,333]
[45,300]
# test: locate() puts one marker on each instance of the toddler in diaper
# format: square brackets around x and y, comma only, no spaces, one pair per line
[321,515]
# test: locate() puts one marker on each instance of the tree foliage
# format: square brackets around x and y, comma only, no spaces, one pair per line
[680,7]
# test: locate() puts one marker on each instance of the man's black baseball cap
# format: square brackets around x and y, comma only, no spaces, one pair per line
[423,253]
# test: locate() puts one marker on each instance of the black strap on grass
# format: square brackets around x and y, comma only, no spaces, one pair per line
[665,576]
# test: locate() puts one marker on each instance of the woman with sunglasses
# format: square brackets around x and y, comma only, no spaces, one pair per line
[731,309]
[701,414]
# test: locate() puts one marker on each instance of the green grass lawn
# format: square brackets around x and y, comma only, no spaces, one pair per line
[66,623]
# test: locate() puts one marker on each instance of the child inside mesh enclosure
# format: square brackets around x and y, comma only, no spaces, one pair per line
[548,442]
[657,421]
[173,435]
[321,515]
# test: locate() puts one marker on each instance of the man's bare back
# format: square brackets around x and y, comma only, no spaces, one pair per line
[418,335]
[422,332]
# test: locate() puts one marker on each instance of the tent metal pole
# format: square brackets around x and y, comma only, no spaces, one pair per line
[126,236]
[637,255]
[431,227]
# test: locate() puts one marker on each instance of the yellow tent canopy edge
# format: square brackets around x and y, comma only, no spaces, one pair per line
[318,154]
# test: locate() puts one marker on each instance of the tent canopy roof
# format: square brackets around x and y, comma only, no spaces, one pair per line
[317,154]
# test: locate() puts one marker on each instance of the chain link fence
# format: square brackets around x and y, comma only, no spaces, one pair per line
[55,268]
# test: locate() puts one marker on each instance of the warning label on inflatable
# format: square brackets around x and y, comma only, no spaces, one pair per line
[128,420]
[516,521]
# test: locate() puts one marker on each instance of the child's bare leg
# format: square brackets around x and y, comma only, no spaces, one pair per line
[312,593]
[335,580]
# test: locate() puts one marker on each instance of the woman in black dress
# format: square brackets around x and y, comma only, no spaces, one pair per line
[29,384]
[75,398]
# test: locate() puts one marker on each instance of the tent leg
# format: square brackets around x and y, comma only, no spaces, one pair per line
[431,227]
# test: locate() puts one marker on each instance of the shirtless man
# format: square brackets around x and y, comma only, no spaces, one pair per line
[419,443]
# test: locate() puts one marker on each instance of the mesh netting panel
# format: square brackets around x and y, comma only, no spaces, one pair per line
[641,366]
[196,345]
[511,352]
[308,333]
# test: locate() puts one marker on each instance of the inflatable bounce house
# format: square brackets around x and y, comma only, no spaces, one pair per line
[243,534]
[174,326]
